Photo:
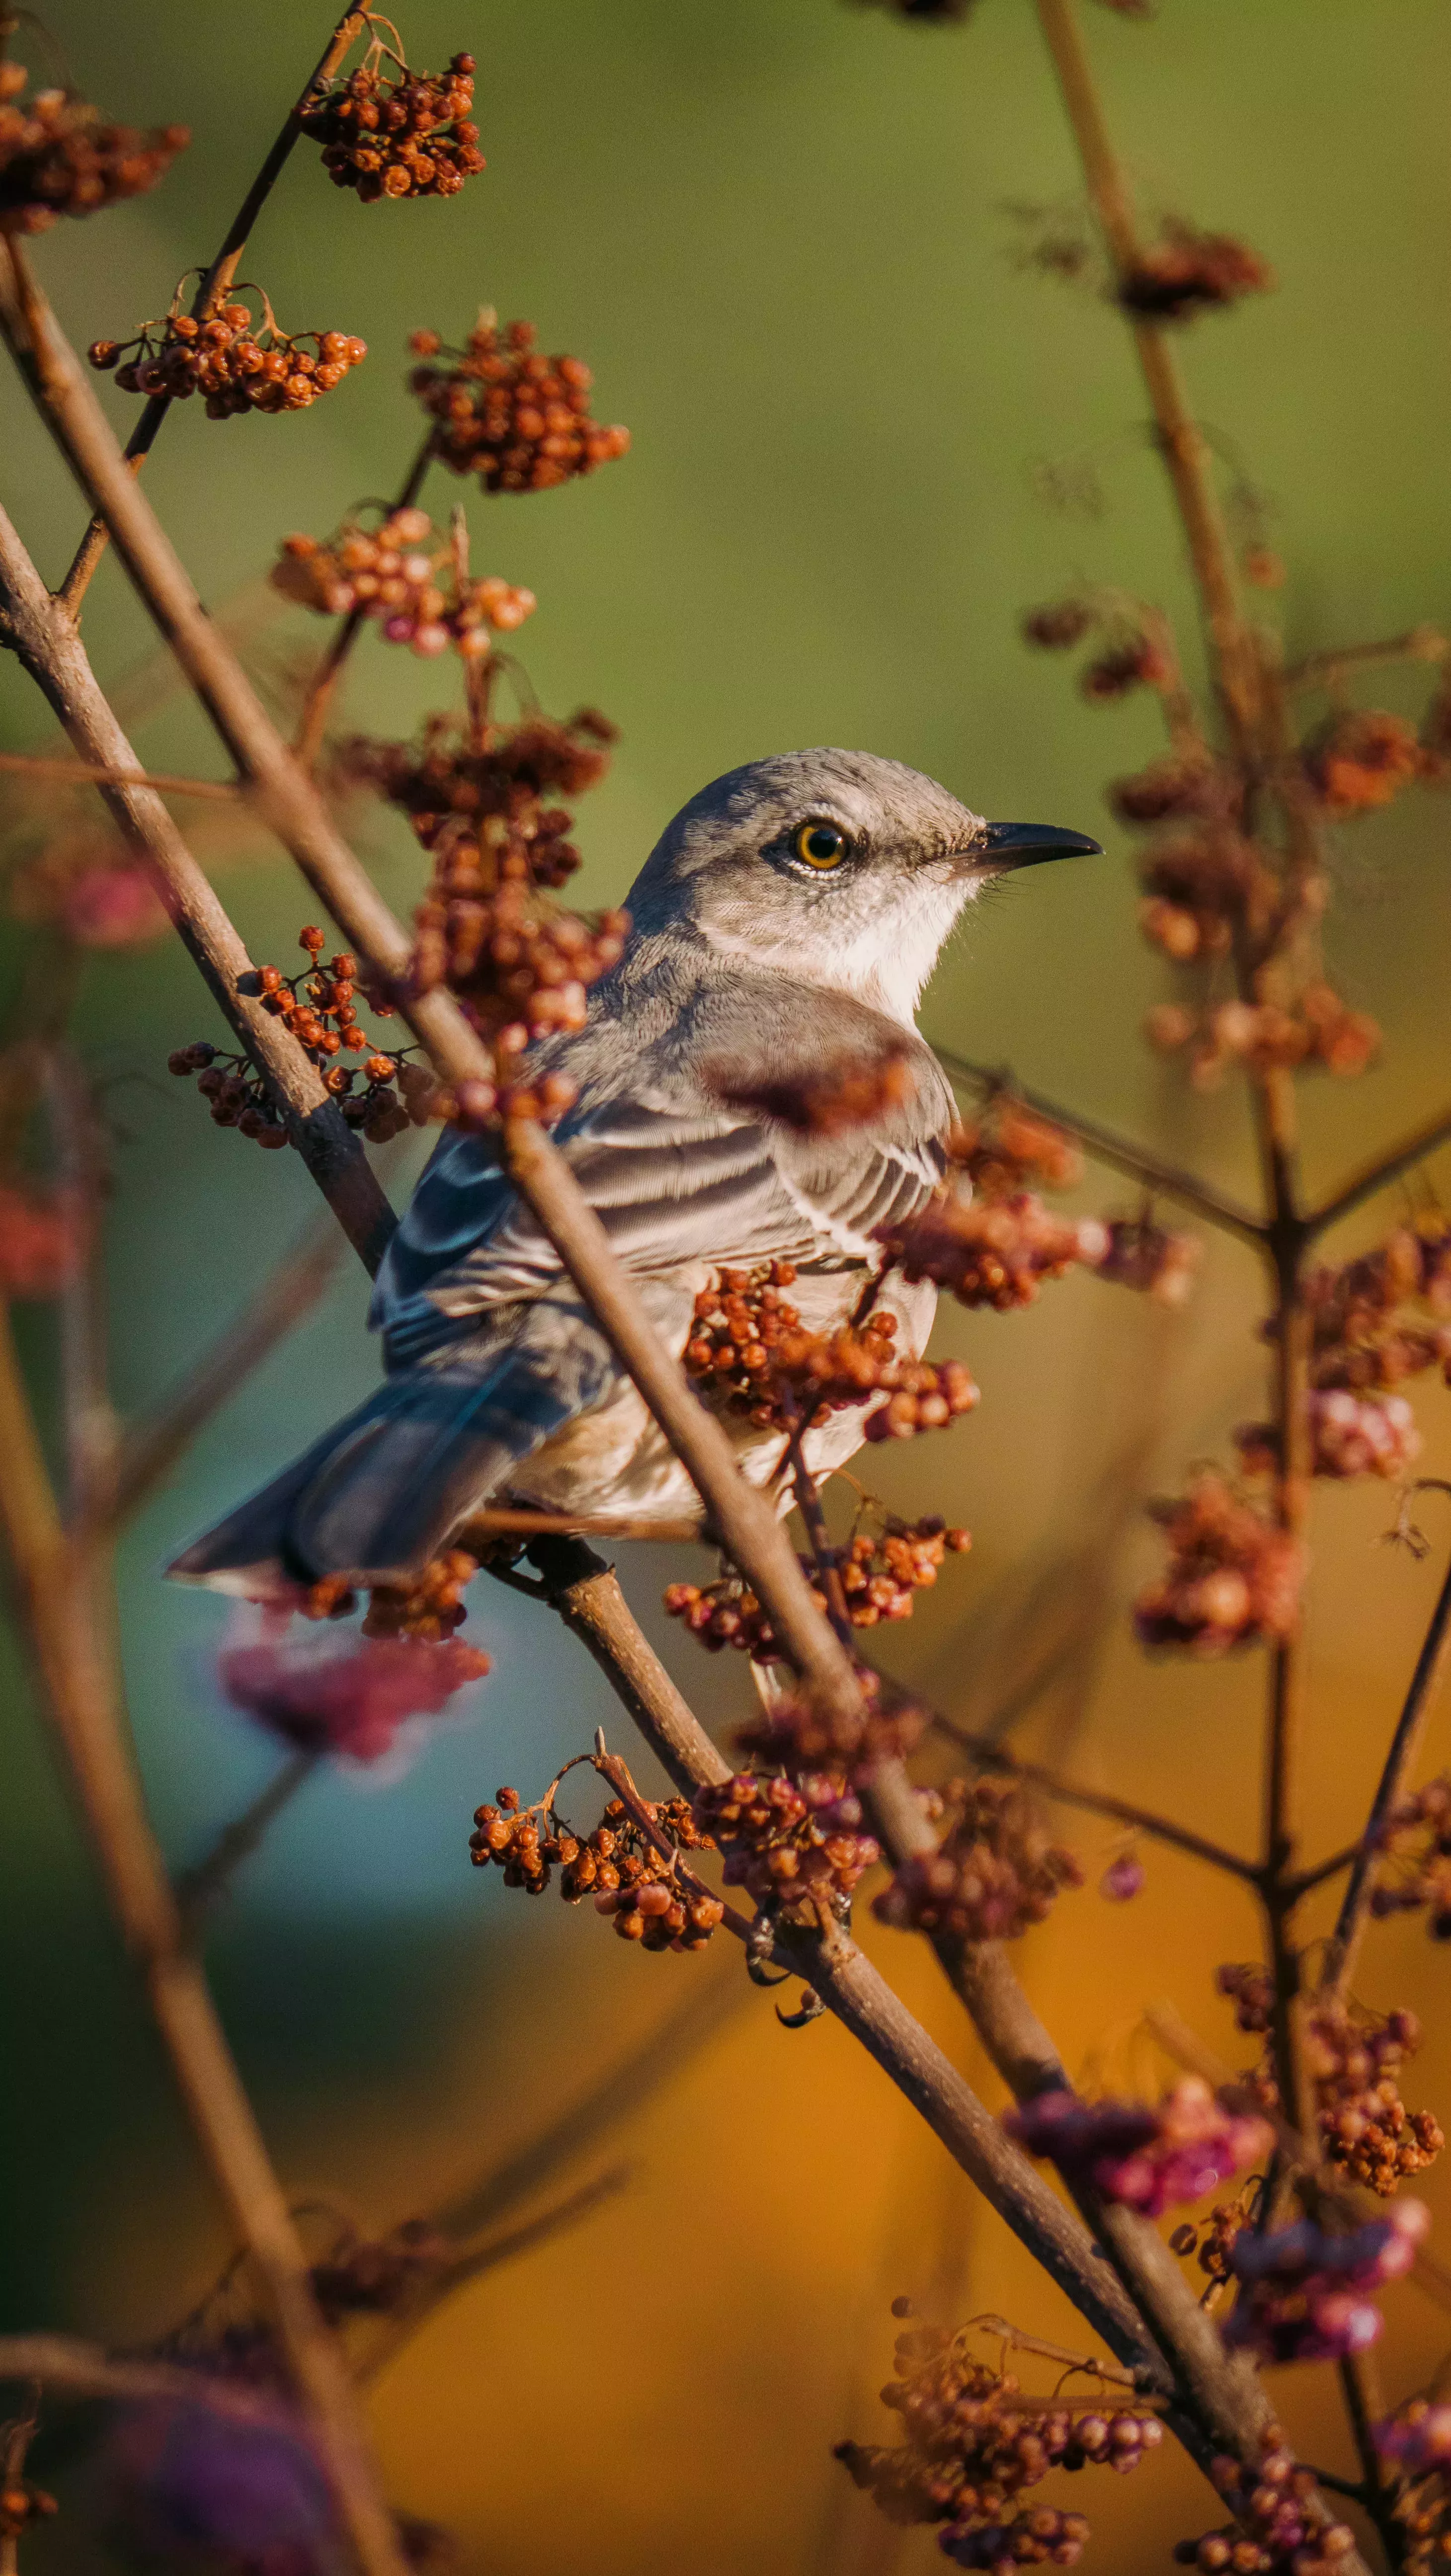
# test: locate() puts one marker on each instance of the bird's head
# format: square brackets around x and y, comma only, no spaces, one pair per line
[831,867]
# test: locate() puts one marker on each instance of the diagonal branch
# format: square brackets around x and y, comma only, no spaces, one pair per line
[59,1588]
[47,644]
[212,291]
[1118,1152]
[993,1756]
[1345,1941]
[1379,1174]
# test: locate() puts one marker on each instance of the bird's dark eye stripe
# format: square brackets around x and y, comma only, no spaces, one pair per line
[821,845]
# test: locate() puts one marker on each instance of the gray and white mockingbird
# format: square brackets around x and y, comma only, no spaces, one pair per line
[784,927]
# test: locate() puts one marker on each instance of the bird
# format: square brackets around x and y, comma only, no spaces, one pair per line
[782,929]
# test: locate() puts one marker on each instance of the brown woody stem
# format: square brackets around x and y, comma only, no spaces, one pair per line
[1345,1941]
[48,645]
[993,1756]
[59,1588]
[1121,1155]
[1379,1174]
[215,285]
[33,765]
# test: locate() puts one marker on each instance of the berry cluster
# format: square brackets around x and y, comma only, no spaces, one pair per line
[1415,2443]
[798,1736]
[318,1007]
[1260,1037]
[1147,2156]
[521,967]
[398,134]
[21,2503]
[238,364]
[1232,1577]
[1251,1989]
[749,1346]
[353,1703]
[429,1607]
[1415,1871]
[1124,1879]
[996,1252]
[403,576]
[1361,1339]
[1199,885]
[1181,784]
[789,1844]
[996,1870]
[1365,2126]
[1304,2294]
[1275,2531]
[60,157]
[879,1577]
[518,420]
[1156,1260]
[971,2448]
[498,788]
[1188,272]
[1135,646]
[376,2276]
[826,1102]
[1362,760]
[44,1239]
[1008,1148]
[1350,1435]
[645,1895]
[1212,2238]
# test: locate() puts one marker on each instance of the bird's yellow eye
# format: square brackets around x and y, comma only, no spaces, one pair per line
[821,845]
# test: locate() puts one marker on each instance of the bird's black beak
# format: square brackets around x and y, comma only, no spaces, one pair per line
[1027,845]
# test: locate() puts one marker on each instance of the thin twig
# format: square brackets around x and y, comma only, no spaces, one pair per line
[1379,1174]
[496,1522]
[290,1292]
[212,291]
[31,764]
[47,644]
[488,2257]
[1118,1152]
[82,2369]
[994,1756]
[1418,644]
[198,1889]
[57,1586]
[1345,1941]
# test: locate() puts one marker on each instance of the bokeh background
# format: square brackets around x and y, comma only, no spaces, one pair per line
[782,234]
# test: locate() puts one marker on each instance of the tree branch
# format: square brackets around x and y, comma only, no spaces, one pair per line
[57,1587]
[52,652]
[1117,1151]
[1379,1174]
[993,1756]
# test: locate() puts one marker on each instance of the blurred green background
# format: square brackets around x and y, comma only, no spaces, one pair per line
[779,232]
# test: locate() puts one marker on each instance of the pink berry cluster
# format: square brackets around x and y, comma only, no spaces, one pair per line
[1305,2295]
[1149,2156]
[1275,2530]
[401,575]
[1232,1577]
[996,1870]
[352,1704]
[1350,1435]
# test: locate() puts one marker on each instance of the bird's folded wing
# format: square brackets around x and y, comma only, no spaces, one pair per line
[673,1181]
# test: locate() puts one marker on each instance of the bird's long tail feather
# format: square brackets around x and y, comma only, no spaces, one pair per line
[380,1493]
